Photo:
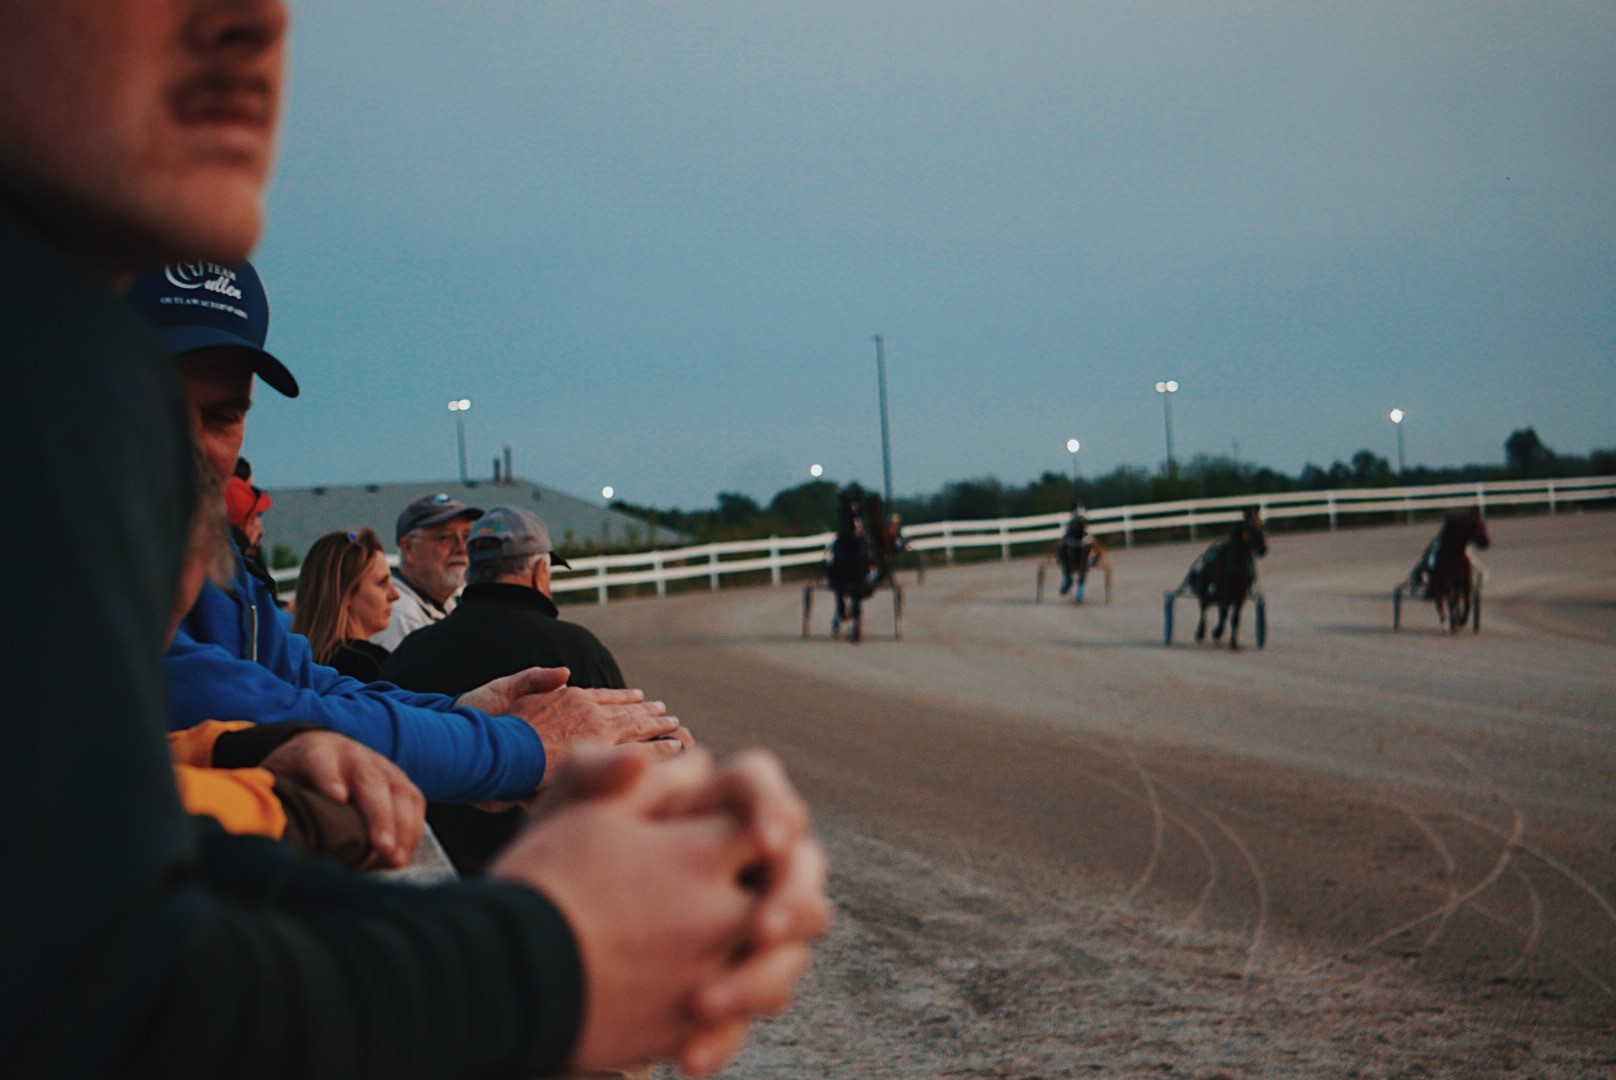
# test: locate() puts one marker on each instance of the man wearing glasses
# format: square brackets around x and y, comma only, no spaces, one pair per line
[432,533]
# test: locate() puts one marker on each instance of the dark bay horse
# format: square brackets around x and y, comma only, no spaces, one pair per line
[1445,570]
[1223,576]
[1075,553]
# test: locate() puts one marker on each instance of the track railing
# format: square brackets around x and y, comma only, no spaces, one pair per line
[713,562]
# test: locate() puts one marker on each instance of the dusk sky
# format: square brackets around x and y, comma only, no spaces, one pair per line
[651,242]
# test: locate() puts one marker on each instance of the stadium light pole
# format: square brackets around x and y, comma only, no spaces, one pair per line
[460,406]
[1167,389]
[886,440]
[1072,447]
[1397,416]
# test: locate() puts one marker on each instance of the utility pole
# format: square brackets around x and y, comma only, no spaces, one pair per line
[459,407]
[1397,416]
[1167,390]
[886,438]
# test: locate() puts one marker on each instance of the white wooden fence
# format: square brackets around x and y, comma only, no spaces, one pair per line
[712,561]
[602,573]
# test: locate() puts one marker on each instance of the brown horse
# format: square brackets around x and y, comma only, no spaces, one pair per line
[1224,575]
[1446,573]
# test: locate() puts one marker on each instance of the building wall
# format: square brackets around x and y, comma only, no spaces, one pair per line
[301,515]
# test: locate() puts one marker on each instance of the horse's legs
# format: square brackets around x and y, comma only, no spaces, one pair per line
[1200,627]
[1234,625]
[1458,610]
[1223,618]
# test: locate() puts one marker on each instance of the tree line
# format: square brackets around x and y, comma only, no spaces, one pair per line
[812,507]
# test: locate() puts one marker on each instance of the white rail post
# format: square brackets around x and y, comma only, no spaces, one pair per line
[661,579]
[948,542]
[1004,541]
[1408,507]
[1127,529]
[712,574]
[600,583]
[774,559]
[1331,501]
[1481,497]
[1551,497]
[1192,522]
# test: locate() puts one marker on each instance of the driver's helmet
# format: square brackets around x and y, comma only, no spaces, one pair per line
[1080,512]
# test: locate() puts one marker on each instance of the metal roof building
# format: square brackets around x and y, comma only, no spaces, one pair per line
[301,515]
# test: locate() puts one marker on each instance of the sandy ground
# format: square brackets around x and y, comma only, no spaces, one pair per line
[1061,849]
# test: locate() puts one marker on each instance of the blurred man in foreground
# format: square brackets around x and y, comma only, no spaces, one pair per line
[134,132]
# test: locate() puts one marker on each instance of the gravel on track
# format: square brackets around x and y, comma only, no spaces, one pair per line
[1061,849]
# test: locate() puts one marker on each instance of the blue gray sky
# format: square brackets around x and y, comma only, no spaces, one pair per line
[651,242]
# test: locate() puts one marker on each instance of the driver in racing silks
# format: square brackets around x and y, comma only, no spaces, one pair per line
[1421,575]
[849,571]
[1073,552]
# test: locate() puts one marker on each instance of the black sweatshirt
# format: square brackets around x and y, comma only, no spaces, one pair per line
[496,629]
[137,941]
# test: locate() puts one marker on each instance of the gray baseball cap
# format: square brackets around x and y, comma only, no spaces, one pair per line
[506,532]
[431,510]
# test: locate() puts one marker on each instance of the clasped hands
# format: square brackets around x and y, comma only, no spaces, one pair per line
[693,892]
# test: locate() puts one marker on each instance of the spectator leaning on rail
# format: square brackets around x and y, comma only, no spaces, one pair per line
[234,656]
[505,622]
[431,535]
[315,790]
[137,943]
[344,595]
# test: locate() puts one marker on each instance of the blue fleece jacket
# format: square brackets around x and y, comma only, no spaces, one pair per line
[453,754]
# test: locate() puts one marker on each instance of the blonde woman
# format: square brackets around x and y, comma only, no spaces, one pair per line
[345,594]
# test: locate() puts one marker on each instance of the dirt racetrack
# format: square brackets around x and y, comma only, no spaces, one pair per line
[1061,849]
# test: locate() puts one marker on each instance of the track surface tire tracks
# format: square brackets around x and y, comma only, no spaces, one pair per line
[1063,850]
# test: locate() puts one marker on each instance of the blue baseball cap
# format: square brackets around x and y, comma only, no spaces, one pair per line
[205,305]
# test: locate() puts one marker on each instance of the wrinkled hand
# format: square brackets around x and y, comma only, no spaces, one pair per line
[566,717]
[344,771]
[784,877]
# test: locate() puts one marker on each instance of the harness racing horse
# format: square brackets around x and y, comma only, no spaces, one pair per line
[1446,570]
[1223,576]
[1075,553]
